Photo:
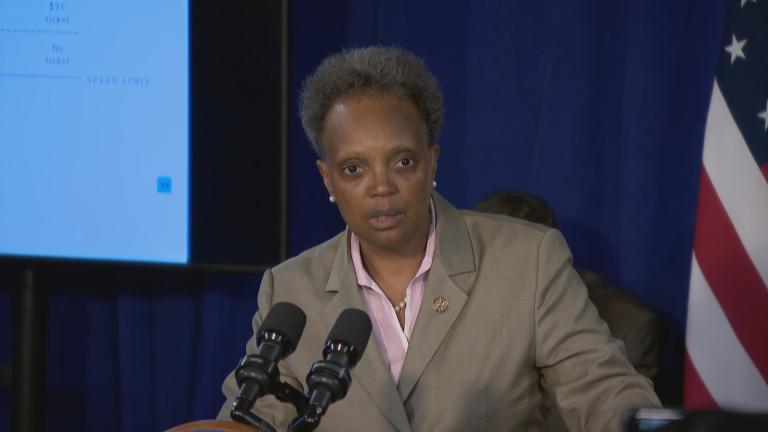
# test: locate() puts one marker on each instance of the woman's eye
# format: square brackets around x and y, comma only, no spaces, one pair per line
[351,169]
[405,163]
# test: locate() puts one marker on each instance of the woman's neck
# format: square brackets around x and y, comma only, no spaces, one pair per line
[393,270]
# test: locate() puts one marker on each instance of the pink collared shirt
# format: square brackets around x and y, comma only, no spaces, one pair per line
[391,339]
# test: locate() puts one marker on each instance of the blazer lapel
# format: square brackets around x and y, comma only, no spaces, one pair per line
[370,373]
[453,257]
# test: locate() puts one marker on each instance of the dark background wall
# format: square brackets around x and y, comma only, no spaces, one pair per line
[596,106]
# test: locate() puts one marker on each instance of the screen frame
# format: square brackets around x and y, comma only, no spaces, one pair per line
[198,259]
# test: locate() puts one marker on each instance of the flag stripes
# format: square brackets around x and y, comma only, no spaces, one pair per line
[717,356]
[738,181]
[728,268]
[698,396]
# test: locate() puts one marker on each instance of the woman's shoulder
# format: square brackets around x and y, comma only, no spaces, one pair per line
[495,225]
[313,261]
[509,236]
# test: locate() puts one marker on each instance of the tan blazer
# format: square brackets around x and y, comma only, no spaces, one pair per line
[519,323]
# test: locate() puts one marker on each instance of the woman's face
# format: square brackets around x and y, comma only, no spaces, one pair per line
[380,169]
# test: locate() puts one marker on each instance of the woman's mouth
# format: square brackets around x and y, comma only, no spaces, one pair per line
[385,219]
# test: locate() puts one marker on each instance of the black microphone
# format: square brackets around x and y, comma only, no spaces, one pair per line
[328,380]
[257,373]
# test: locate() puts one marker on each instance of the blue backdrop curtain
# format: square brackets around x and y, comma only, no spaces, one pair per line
[596,106]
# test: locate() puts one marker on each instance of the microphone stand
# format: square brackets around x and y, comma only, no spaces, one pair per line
[241,414]
[327,382]
[304,424]
[241,411]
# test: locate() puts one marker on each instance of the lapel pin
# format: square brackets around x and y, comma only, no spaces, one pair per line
[440,304]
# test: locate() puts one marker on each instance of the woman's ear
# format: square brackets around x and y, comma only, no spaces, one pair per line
[435,151]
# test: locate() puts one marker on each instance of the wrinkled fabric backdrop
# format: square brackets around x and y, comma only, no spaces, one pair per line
[596,106]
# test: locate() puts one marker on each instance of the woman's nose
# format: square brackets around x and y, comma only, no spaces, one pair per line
[382,183]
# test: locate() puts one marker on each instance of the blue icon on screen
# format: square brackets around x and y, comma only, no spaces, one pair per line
[164,185]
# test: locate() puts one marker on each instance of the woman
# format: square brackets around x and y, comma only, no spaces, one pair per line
[475,316]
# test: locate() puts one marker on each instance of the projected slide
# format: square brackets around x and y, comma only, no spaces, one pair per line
[94,129]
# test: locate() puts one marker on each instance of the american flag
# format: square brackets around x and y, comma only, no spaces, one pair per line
[727,331]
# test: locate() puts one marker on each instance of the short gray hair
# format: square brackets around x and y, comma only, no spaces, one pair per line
[389,69]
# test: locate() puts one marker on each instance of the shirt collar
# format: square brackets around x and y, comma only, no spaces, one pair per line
[364,279]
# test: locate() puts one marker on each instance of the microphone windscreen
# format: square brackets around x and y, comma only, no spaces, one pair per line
[352,327]
[287,319]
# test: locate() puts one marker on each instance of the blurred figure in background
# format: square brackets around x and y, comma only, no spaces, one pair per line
[627,317]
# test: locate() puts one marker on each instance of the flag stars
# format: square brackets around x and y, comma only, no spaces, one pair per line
[736,48]
[764,115]
[743,2]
